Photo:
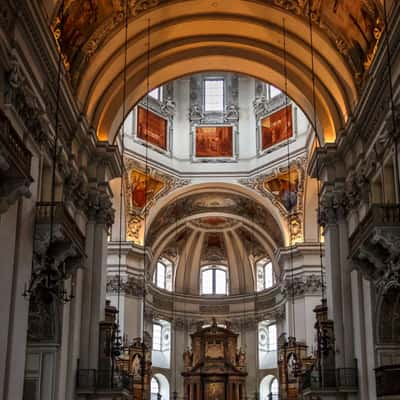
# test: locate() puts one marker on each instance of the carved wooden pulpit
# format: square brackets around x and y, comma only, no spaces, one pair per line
[214,369]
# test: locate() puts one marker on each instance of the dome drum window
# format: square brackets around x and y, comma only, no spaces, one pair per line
[214,280]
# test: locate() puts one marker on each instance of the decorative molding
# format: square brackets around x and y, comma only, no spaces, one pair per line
[99,206]
[199,117]
[13,189]
[257,183]
[302,286]
[170,183]
[263,105]
[130,285]
[213,309]
[357,189]
[15,165]
[25,104]
[378,257]
[136,216]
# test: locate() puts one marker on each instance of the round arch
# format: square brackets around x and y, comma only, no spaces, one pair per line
[163,385]
[219,187]
[245,37]
[266,386]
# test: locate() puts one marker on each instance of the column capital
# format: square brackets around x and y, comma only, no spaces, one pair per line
[99,205]
[334,205]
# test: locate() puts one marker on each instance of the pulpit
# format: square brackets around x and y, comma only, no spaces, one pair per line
[214,368]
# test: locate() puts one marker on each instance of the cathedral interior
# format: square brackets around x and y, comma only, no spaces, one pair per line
[199,199]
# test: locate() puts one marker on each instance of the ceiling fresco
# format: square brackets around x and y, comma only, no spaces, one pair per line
[221,203]
[354,27]
[214,249]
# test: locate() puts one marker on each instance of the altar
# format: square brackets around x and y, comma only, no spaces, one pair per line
[214,367]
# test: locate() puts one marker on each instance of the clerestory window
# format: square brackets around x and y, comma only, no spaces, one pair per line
[214,280]
[214,95]
[265,275]
[163,275]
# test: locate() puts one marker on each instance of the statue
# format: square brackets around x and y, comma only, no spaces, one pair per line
[241,359]
[187,358]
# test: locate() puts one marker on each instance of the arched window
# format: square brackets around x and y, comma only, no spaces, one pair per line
[214,280]
[159,387]
[265,275]
[161,354]
[163,275]
[267,345]
[157,337]
[154,388]
[269,388]
[274,389]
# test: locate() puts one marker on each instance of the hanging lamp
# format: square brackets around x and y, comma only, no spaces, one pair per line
[117,347]
[293,358]
[325,342]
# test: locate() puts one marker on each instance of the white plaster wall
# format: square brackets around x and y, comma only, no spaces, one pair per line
[247,120]
[248,162]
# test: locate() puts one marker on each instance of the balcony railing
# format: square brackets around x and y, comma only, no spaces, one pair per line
[15,147]
[379,215]
[61,216]
[341,378]
[388,380]
[93,380]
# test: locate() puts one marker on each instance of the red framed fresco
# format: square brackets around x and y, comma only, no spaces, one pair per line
[276,127]
[152,128]
[214,141]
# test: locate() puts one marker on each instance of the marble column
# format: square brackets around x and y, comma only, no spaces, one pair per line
[347,300]
[74,336]
[334,287]
[94,292]
[16,234]
[8,227]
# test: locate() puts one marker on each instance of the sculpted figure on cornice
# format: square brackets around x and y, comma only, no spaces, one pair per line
[231,113]
[76,188]
[263,105]
[168,108]
[13,186]
[26,104]
[357,189]
[196,114]
[378,257]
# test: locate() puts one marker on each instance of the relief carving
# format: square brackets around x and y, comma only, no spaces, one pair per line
[130,286]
